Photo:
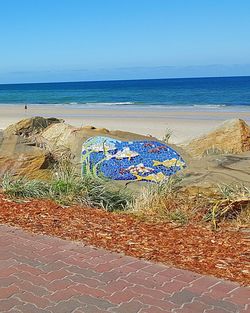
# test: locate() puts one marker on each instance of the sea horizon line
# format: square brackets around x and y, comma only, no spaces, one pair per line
[125,80]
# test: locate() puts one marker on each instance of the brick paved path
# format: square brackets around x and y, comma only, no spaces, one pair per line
[44,274]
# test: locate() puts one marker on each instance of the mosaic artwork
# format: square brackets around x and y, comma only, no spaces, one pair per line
[131,160]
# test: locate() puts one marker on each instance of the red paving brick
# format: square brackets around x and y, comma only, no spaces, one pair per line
[45,274]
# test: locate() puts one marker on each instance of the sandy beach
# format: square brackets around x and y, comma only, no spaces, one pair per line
[183,124]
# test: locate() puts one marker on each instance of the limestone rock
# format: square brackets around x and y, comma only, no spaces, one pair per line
[30,126]
[31,165]
[211,171]
[20,158]
[63,138]
[102,130]
[28,138]
[89,127]
[233,136]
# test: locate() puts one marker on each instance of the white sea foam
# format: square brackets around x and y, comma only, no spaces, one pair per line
[210,105]
[141,106]
[111,103]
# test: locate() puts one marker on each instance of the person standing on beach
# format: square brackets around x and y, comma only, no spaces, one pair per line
[25,108]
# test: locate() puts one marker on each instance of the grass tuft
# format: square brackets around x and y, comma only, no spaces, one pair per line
[24,188]
[233,204]
[168,134]
[165,202]
[68,188]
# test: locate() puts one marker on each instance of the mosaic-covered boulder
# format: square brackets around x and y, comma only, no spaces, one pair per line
[131,160]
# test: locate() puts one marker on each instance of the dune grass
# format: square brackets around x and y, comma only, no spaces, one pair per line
[165,202]
[67,188]
[233,204]
[160,202]
[167,135]
[169,202]
[24,188]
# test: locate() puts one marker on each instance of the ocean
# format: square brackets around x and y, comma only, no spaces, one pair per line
[232,93]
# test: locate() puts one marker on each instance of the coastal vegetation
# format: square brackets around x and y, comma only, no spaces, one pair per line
[66,187]
[166,201]
[167,135]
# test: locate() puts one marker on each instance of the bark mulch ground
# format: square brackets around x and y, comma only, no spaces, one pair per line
[222,253]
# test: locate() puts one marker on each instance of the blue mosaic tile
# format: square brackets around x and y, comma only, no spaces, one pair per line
[131,160]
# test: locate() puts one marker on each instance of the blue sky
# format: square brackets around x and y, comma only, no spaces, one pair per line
[69,40]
